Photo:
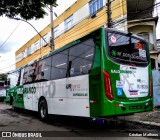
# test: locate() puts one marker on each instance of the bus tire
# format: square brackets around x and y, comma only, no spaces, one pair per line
[43,110]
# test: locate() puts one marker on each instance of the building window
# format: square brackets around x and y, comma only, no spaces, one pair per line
[68,23]
[158,43]
[32,48]
[46,38]
[37,45]
[29,50]
[56,32]
[94,6]
[144,35]
[24,54]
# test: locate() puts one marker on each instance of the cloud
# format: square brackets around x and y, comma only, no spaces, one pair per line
[7,62]
[6,47]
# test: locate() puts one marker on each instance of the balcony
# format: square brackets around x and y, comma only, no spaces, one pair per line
[139,9]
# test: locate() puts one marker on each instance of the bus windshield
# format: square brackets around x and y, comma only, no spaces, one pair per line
[125,49]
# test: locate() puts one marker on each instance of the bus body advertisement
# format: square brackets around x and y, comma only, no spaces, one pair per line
[109,75]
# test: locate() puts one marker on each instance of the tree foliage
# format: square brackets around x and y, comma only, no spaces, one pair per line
[26,9]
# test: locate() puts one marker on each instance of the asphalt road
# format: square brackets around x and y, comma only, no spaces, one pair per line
[23,123]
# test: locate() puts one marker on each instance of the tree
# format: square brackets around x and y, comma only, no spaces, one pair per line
[26,9]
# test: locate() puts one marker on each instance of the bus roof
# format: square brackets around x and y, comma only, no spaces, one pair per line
[74,43]
[61,48]
[126,33]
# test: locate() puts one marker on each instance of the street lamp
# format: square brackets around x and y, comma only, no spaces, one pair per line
[33,28]
[52,27]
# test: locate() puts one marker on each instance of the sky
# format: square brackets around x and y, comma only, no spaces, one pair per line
[14,34]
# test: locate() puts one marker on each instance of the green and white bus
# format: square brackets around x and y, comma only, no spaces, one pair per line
[105,73]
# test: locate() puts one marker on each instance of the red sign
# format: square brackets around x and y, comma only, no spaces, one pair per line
[139,45]
[113,39]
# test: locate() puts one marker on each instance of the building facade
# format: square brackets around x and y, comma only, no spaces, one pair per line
[85,16]
[158,47]
[78,20]
[141,22]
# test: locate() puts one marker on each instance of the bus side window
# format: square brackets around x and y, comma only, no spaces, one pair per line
[25,75]
[46,69]
[59,65]
[85,69]
[38,75]
[21,76]
[28,76]
[43,70]
[81,56]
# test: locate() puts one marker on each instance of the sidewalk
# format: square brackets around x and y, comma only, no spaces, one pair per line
[152,117]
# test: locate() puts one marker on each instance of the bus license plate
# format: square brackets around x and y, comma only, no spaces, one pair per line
[135,107]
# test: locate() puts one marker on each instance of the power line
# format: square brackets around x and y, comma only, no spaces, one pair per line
[100,16]
[32,27]
[83,24]
[81,27]
[87,16]
[7,67]
[133,17]
[10,35]
[157,5]
[33,56]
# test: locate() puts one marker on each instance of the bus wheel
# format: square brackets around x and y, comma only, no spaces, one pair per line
[43,110]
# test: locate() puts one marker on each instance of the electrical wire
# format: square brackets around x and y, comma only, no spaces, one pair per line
[102,15]
[83,25]
[134,18]
[90,21]
[10,35]
[93,27]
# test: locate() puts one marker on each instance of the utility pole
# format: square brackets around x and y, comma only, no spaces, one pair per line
[52,29]
[52,44]
[109,13]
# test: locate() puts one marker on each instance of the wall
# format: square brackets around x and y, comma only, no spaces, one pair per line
[83,24]
[156,87]
[143,28]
